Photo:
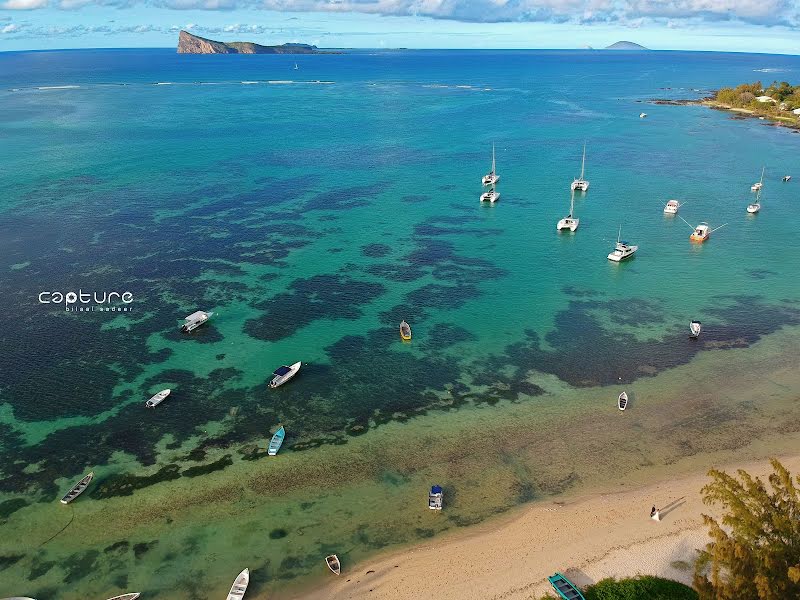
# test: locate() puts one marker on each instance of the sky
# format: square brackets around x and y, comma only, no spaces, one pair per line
[771,26]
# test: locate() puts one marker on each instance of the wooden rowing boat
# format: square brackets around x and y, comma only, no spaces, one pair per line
[333,564]
[276,441]
[622,401]
[565,588]
[239,586]
[77,489]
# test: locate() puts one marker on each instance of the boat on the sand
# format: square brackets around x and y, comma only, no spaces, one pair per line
[565,588]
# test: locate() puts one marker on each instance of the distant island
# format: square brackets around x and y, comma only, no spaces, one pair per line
[194,44]
[623,45]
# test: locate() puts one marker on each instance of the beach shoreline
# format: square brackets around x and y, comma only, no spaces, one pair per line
[587,536]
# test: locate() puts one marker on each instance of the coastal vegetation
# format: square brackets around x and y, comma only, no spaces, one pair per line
[643,587]
[754,553]
[776,101]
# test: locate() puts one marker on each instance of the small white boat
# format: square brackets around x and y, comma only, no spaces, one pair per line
[283,374]
[158,398]
[787,177]
[491,177]
[758,184]
[239,586]
[569,222]
[642,115]
[671,207]
[405,331]
[194,320]
[435,498]
[276,441]
[622,401]
[296,67]
[622,250]
[126,597]
[695,327]
[580,184]
[491,196]
[77,489]
[333,564]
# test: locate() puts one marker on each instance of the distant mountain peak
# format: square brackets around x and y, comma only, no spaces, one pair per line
[623,45]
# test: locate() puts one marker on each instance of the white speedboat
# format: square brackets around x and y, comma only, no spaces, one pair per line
[77,489]
[694,329]
[671,207]
[158,398]
[194,320]
[622,401]
[239,586]
[569,222]
[758,184]
[623,250]
[283,374]
[642,115]
[580,184]
[491,177]
[491,196]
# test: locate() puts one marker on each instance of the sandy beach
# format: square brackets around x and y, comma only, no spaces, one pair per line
[587,538]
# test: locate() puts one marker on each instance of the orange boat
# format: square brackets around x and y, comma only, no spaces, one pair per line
[701,233]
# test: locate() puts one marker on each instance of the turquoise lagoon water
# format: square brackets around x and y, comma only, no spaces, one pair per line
[313,210]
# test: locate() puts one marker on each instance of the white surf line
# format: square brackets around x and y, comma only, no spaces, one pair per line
[58,87]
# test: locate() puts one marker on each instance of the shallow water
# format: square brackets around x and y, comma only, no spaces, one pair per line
[312,219]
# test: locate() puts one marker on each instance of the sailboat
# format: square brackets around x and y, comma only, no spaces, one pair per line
[569,222]
[754,207]
[491,196]
[622,250]
[296,67]
[759,184]
[580,183]
[491,177]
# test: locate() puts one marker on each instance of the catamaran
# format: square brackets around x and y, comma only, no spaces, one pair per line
[77,489]
[491,177]
[580,183]
[671,207]
[758,184]
[491,196]
[194,320]
[622,250]
[283,374]
[276,441]
[239,586]
[158,398]
[569,222]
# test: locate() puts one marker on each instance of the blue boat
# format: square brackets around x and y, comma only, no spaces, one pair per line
[277,440]
[565,588]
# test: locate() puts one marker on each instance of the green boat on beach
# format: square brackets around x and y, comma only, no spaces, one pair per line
[565,588]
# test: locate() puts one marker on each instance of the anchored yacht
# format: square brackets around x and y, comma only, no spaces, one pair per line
[622,250]
[580,183]
[569,222]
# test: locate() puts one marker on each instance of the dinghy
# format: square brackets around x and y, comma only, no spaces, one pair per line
[277,440]
[283,374]
[333,564]
[126,597]
[158,398]
[239,586]
[435,498]
[405,331]
[565,588]
[694,329]
[77,489]
[622,401]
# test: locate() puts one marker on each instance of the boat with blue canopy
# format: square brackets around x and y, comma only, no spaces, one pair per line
[565,588]
[435,498]
[277,440]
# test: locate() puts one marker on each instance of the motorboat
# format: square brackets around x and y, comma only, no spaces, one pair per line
[787,177]
[405,331]
[622,401]
[239,586]
[701,233]
[695,327]
[623,250]
[491,178]
[569,222]
[283,374]
[671,207]
[276,441]
[333,564]
[642,115]
[158,398]
[77,489]
[435,498]
[194,320]
[580,184]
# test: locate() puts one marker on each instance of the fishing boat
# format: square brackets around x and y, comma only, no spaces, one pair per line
[580,183]
[126,597]
[239,586]
[642,115]
[158,398]
[405,330]
[694,329]
[333,564]
[671,207]
[565,588]
[622,250]
[276,441]
[622,401]
[787,177]
[754,207]
[491,196]
[758,184]
[569,222]
[435,498]
[77,489]
[491,178]
[194,320]
[701,233]
[283,374]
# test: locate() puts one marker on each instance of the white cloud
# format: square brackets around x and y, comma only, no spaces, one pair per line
[23,4]
[10,28]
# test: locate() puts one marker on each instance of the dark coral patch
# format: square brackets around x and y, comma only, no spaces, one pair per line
[217,465]
[375,250]
[9,507]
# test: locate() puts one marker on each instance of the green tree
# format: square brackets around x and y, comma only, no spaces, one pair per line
[754,553]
